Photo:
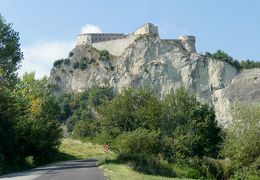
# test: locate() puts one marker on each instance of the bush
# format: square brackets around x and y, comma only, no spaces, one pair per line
[191,124]
[84,128]
[83,63]
[186,127]
[249,64]
[221,55]
[58,62]
[184,171]
[104,55]
[67,61]
[76,65]
[209,167]
[140,141]
[71,54]
[242,143]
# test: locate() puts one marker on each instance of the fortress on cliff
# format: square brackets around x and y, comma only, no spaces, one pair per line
[116,43]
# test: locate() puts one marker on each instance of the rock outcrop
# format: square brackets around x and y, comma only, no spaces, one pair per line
[163,65]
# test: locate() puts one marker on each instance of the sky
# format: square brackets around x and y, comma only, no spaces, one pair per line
[48,28]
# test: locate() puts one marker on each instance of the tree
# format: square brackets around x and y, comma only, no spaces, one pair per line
[191,124]
[10,53]
[186,128]
[130,110]
[12,107]
[242,143]
[38,132]
[221,55]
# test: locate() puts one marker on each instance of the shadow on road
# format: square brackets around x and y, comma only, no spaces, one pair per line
[64,165]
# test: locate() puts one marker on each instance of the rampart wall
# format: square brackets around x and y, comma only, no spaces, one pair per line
[115,47]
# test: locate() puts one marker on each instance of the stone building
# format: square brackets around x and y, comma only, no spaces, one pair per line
[89,38]
[116,43]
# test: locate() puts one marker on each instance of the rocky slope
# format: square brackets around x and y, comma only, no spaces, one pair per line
[163,65]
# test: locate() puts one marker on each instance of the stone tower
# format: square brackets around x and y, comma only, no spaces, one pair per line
[188,43]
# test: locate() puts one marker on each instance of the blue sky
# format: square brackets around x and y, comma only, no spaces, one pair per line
[48,28]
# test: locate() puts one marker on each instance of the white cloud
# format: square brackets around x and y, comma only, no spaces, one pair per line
[89,28]
[39,57]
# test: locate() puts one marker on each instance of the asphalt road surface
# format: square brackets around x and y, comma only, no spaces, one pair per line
[85,169]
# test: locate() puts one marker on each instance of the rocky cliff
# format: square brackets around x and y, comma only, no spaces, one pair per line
[162,64]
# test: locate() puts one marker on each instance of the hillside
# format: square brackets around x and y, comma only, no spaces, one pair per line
[161,64]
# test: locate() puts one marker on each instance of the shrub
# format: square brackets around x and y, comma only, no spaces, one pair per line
[221,55]
[76,65]
[83,63]
[67,61]
[84,128]
[184,171]
[192,125]
[249,64]
[58,62]
[242,143]
[140,141]
[208,167]
[153,165]
[104,55]
[71,54]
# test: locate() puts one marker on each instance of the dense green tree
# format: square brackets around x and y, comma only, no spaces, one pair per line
[11,105]
[12,108]
[249,64]
[242,144]
[38,132]
[191,124]
[10,53]
[130,110]
[221,55]
[186,128]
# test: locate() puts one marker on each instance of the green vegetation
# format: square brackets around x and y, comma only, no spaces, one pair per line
[151,134]
[77,109]
[81,150]
[174,137]
[75,65]
[10,53]
[221,55]
[150,138]
[71,54]
[58,62]
[242,144]
[83,63]
[76,149]
[30,132]
[67,61]
[249,64]
[104,55]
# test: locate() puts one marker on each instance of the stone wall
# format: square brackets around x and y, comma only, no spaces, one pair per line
[147,29]
[188,43]
[115,47]
[101,37]
[90,38]
[83,39]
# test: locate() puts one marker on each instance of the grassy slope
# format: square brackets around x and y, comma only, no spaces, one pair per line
[79,150]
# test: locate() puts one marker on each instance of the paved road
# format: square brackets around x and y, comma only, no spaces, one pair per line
[85,169]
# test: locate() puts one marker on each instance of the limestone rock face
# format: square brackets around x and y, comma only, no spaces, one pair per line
[164,66]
